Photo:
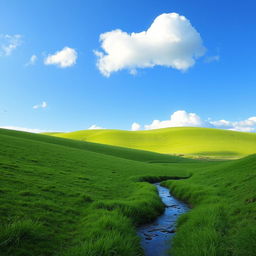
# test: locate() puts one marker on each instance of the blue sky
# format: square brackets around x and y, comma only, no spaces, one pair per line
[220,85]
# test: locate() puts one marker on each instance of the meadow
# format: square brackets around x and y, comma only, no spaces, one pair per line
[69,197]
[192,142]
[223,216]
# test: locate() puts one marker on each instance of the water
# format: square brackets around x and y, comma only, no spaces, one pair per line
[156,237]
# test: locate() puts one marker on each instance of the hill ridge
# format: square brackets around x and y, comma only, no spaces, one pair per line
[188,141]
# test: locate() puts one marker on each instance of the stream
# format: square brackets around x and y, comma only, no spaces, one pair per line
[156,236]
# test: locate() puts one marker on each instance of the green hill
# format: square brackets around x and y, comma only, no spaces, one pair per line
[222,221]
[56,195]
[188,141]
[72,198]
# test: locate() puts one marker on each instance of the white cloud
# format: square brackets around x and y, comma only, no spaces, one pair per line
[41,105]
[247,125]
[135,126]
[133,72]
[65,58]
[177,119]
[95,127]
[24,129]
[210,59]
[170,41]
[221,123]
[32,60]
[181,118]
[8,43]
[243,129]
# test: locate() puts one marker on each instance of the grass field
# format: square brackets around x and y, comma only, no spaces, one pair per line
[68,197]
[73,198]
[188,141]
[223,218]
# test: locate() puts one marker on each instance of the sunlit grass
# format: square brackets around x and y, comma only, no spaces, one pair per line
[191,142]
[56,194]
[222,220]
[72,198]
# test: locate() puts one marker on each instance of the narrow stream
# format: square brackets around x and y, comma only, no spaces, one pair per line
[156,237]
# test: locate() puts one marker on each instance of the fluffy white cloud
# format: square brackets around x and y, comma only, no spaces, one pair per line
[65,58]
[170,41]
[32,60]
[8,43]
[135,126]
[24,129]
[95,127]
[178,118]
[247,125]
[181,118]
[41,105]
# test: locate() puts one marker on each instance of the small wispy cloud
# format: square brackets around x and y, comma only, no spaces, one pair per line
[8,43]
[32,60]
[247,125]
[133,72]
[135,126]
[41,105]
[95,127]
[65,58]
[210,59]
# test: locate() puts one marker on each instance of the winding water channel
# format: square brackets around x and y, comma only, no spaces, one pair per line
[156,237]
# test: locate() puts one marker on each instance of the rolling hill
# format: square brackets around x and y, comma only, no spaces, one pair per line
[56,195]
[63,197]
[222,220]
[188,141]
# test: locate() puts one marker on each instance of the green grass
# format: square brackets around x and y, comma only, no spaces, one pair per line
[74,198]
[188,141]
[64,197]
[223,218]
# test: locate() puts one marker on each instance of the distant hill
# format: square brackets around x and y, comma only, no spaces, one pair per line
[188,141]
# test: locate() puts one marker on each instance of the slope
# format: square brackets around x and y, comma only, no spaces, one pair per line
[122,152]
[188,141]
[222,221]
[71,198]
[58,197]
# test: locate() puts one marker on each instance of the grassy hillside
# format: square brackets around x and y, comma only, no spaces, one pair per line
[63,197]
[127,153]
[203,142]
[223,219]
[70,198]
